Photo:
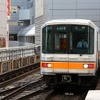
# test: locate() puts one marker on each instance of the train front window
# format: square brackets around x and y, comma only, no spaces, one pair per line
[54,39]
[69,39]
[60,39]
[81,39]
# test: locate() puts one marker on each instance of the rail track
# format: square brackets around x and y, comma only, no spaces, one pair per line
[26,75]
[17,84]
[22,89]
[71,92]
[66,95]
[26,91]
[35,89]
[19,87]
[9,77]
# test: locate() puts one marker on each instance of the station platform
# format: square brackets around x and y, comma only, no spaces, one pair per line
[93,95]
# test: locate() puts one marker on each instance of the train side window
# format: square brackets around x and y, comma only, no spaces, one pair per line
[91,40]
[47,39]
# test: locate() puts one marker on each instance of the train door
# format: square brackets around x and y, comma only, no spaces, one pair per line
[60,49]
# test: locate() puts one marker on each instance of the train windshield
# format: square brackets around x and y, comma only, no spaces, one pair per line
[69,39]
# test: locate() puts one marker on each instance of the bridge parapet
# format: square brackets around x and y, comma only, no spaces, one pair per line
[15,57]
[13,53]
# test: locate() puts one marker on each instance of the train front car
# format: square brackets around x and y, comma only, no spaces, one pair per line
[69,51]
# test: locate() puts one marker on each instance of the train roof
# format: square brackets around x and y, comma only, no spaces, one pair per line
[70,21]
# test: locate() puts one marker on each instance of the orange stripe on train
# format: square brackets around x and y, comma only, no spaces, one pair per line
[69,65]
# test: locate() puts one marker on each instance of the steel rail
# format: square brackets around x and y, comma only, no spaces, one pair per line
[18,74]
[19,90]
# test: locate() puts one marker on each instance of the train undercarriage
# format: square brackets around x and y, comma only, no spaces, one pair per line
[70,79]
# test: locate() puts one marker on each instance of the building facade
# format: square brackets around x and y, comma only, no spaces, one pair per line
[22,15]
[27,34]
[65,9]
[4,35]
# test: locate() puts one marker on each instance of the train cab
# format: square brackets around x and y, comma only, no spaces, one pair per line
[69,50]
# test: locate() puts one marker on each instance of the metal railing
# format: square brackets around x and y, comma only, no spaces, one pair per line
[13,53]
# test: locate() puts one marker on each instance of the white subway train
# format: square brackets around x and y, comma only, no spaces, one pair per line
[70,51]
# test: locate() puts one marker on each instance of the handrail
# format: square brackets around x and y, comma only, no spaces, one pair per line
[13,53]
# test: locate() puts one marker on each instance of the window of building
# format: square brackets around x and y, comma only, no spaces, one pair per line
[15,9]
[13,37]
[20,23]
[15,23]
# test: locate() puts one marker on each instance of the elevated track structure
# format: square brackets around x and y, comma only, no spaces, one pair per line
[14,58]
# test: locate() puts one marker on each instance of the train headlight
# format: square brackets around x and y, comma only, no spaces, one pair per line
[49,65]
[85,65]
[88,66]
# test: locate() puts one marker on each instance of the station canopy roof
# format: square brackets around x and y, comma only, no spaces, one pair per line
[27,31]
